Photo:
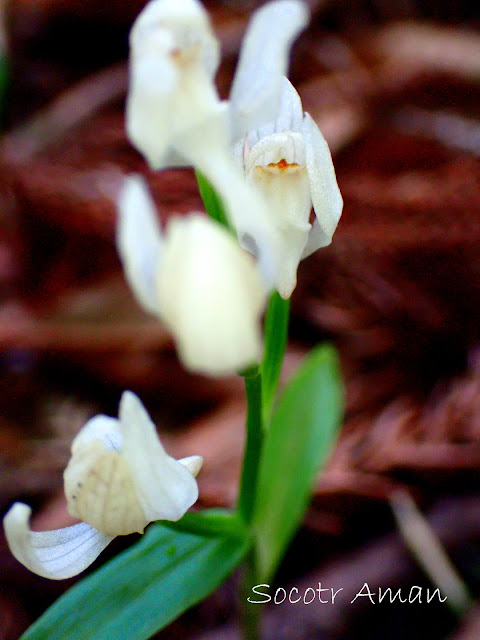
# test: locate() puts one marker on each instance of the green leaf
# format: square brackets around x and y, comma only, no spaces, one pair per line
[143,589]
[276,334]
[212,201]
[300,438]
[212,522]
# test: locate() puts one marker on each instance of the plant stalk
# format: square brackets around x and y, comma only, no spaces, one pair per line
[253,444]
[250,612]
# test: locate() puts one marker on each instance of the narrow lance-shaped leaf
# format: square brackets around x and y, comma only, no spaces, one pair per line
[300,438]
[210,523]
[143,589]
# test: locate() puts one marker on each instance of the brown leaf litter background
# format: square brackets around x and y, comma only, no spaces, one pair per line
[395,87]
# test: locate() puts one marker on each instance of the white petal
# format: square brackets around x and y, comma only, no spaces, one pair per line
[208,150]
[191,111]
[139,240]
[100,427]
[193,464]
[212,297]
[250,217]
[263,62]
[289,116]
[290,111]
[294,242]
[238,153]
[172,159]
[56,554]
[317,238]
[326,198]
[196,144]
[186,20]
[174,56]
[153,82]
[166,488]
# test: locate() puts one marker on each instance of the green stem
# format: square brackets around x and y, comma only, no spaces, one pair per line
[253,445]
[276,335]
[250,613]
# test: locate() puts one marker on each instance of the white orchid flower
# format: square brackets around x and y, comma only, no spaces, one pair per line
[118,480]
[175,118]
[196,279]
[173,60]
[174,56]
[289,162]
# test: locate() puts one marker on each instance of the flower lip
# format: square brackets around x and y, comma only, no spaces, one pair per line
[282,166]
[280,150]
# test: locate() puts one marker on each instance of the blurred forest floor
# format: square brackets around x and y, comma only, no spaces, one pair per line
[395,87]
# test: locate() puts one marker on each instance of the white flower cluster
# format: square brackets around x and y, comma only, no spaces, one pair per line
[266,159]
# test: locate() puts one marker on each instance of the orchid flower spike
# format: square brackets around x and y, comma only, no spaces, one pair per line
[175,117]
[118,480]
[196,279]
[289,162]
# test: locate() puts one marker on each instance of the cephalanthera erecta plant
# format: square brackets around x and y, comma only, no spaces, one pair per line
[261,165]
